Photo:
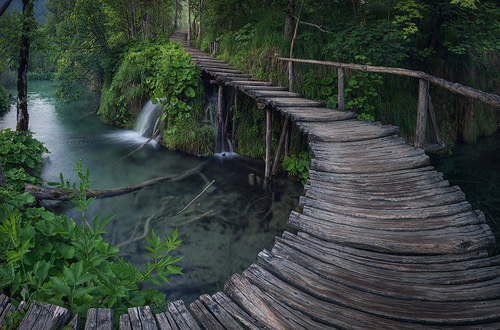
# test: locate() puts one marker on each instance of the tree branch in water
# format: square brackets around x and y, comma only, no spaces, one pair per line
[63,195]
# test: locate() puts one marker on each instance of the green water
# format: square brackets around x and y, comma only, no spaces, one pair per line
[475,168]
[222,231]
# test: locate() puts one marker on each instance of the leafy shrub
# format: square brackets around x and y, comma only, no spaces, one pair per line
[20,156]
[4,100]
[298,165]
[51,258]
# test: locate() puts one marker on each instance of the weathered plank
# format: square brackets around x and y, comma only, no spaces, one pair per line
[291,102]
[163,322]
[75,322]
[269,312]
[142,318]
[220,313]
[312,114]
[100,318]
[299,271]
[181,315]
[44,317]
[337,265]
[425,313]
[7,310]
[238,313]
[125,322]
[345,131]
[262,94]
[205,317]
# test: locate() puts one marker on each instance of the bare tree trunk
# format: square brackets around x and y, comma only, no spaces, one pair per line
[199,27]
[176,11]
[290,12]
[22,74]
[189,24]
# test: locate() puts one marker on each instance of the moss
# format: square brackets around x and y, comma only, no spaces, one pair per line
[56,194]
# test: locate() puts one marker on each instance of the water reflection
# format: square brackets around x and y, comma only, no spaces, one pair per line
[222,232]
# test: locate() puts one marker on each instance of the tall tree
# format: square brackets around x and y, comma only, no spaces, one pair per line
[28,22]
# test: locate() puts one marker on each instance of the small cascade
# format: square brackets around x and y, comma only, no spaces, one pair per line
[222,138]
[149,119]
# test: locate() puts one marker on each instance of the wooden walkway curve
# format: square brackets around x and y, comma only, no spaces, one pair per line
[383,241]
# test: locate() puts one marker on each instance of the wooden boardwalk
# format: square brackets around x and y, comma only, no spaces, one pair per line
[383,241]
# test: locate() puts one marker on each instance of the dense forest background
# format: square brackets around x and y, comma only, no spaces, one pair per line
[85,42]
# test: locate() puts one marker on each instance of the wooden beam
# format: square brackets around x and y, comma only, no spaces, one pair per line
[341,97]
[280,145]
[423,96]
[269,123]
[435,129]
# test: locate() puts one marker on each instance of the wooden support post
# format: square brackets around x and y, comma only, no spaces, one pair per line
[287,141]
[235,104]
[341,97]
[290,76]
[280,145]
[423,94]
[434,125]
[269,123]
[219,118]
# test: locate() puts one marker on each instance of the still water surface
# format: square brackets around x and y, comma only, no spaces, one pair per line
[221,233]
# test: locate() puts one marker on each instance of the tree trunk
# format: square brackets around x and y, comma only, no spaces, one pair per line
[50,193]
[199,27]
[189,23]
[176,11]
[290,12]
[22,73]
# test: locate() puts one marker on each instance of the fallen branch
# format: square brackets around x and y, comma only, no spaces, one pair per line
[63,195]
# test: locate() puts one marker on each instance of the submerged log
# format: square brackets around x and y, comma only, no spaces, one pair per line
[63,195]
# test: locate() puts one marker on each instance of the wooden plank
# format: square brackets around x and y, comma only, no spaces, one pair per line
[249,82]
[105,319]
[424,313]
[429,198]
[438,241]
[407,263]
[91,322]
[343,261]
[310,276]
[313,114]
[260,94]
[261,88]
[458,220]
[31,316]
[269,312]
[7,310]
[51,317]
[382,214]
[147,318]
[163,323]
[238,313]
[205,317]
[75,322]
[4,301]
[125,322]
[291,102]
[345,131]
[181,315]
[371,166]
[220,313]
[135,320]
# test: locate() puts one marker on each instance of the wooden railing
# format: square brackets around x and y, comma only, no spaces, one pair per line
[424,100]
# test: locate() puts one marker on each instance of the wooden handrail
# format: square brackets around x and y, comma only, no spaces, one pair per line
[424,104]
[490,99]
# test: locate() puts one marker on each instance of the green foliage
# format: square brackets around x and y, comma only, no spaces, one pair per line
[298,165]
[365,116]
[4,100]
[20,156]
[50,258]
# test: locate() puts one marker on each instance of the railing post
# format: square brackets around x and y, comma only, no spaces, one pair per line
[341,99]
[269,124]
[423,96]
[219,118]
[290,76]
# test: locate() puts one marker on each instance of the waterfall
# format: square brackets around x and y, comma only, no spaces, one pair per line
[149,119]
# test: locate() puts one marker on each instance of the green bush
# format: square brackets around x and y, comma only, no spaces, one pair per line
[20,156]
[4,100]
[298,166]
